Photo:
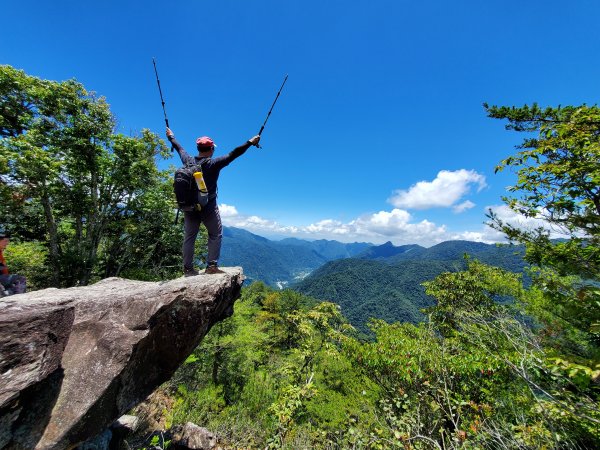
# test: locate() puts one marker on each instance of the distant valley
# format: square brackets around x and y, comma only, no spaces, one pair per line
[366,280]
[384,282]
[284,262]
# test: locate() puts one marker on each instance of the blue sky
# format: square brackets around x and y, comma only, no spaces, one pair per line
[379,133]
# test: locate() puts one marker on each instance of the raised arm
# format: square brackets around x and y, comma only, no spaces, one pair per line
[185,157]
[236,152]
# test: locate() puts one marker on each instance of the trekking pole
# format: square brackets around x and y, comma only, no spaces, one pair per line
[274,101]
[160,92]
[161,98]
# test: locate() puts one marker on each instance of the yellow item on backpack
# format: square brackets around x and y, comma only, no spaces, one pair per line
[199,177]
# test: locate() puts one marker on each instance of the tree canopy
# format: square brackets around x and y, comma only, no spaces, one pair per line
[94,198]
[558,179]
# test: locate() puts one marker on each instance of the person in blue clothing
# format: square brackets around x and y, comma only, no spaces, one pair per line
[9,283]
[209,214]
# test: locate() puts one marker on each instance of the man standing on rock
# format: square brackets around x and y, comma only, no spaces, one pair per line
[209,214]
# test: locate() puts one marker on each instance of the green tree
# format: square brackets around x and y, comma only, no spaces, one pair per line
[478,291]
[290,389]
[95,198]
[29,259]
[558,181]
[474,375]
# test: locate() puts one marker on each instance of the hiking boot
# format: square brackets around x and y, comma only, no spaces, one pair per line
[212,269]
[190,272]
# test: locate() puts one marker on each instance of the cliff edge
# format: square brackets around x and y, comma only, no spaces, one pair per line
[74,360]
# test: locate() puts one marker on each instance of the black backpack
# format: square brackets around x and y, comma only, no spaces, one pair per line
[187,194]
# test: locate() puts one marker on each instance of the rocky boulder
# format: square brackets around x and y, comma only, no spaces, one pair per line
[74,360]
[192,437]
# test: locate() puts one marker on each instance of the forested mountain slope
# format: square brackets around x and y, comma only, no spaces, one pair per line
[372,289]
[389,252]
[509,257]
[329,249]
[389,287]
[278,263]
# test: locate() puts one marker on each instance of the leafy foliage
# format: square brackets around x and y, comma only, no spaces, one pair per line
[473,376]
[558,180]
[95,199]
[286,372]
[29,259]
[273,374]
[495,363]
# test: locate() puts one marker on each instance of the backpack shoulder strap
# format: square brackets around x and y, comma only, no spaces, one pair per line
[196,163]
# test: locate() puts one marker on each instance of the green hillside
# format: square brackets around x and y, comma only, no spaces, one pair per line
[366,289]
[389,251]
[509,257]
[387,285]
[266,260]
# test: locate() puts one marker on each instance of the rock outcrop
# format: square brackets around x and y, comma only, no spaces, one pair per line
[192,437]
[74,360]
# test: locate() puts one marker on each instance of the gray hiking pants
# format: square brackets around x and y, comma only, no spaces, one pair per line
[211,219]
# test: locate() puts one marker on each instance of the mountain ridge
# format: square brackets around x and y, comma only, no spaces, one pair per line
[280,263]
[390,287]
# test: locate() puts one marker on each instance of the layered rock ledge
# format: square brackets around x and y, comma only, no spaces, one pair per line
[74,360]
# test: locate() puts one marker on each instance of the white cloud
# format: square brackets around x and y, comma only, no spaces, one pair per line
[489,235]
[463,206]
[227,210]
[395,225]
[231,217]
[448,189]
[327,226]
[504,213]
[398,225]
[445,190]
[508,216]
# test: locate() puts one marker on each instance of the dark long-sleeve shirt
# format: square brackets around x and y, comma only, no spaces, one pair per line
[211,167]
